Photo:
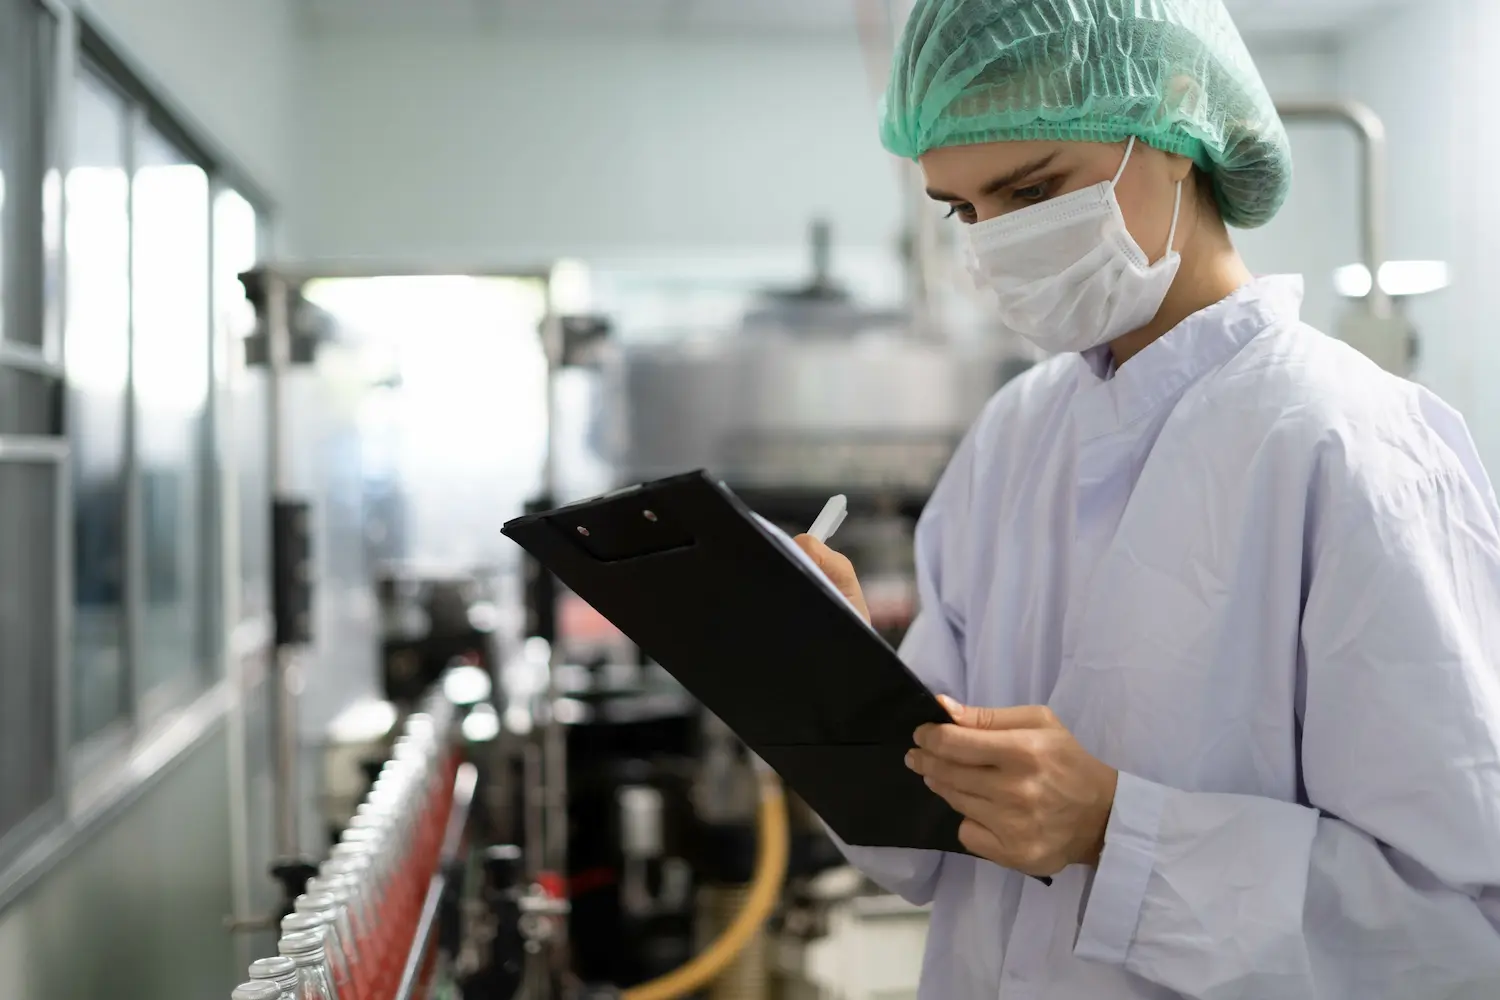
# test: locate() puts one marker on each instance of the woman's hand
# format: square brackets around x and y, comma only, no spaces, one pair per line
[1033,799]
[838,569]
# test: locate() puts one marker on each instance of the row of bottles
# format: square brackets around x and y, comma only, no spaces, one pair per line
[353,927]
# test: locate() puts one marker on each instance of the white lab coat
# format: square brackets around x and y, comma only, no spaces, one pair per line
[1260,577]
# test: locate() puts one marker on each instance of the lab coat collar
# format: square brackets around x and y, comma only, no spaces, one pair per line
[1111,398]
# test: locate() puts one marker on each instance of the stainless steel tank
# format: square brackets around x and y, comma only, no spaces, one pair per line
[773,407]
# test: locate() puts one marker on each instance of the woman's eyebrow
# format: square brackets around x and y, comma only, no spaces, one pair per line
[999,183]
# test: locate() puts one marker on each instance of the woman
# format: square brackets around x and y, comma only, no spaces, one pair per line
[1216,601]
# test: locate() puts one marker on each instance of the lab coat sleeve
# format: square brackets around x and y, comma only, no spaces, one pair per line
[933,649]
[1387,885]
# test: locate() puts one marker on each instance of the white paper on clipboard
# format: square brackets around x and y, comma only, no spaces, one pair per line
[795,551]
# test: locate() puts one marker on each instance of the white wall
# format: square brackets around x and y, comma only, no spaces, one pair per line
[440,149]
[482,148]
[1432,75]
[229,66]
[1316,231]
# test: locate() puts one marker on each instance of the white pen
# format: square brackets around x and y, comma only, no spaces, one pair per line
[834,512]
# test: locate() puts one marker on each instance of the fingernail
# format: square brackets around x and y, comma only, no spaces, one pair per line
[953,708]
[911,759]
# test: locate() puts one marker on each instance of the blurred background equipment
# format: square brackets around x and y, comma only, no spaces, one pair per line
[811,395]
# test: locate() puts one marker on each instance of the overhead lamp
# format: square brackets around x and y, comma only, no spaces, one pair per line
[1398,278]
[571,288]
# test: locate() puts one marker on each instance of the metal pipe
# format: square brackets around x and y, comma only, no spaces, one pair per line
[283,704]
[876,22]
[554,737]
[554,747]
[531,795]
[1370,131]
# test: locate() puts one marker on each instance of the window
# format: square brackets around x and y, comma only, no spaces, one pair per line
[31,452]
[235,252]
[28,625]
[170,378]
[98,363]
[25,66]
[110,535]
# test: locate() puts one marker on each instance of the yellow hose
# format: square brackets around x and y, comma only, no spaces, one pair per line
[765,890]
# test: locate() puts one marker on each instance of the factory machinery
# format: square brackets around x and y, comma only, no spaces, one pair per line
[551,815]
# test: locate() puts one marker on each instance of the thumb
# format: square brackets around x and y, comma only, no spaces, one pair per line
[960,714]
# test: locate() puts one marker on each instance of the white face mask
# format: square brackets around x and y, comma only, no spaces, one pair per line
[1067,273]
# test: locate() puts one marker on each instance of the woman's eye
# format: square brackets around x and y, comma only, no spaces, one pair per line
[963,211]
[1032,194]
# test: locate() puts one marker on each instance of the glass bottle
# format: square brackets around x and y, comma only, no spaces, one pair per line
[337,939]
[279,970]
[349,872]
[306,949]
[339,888]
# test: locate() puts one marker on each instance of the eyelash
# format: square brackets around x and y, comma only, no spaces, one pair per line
[1032,194]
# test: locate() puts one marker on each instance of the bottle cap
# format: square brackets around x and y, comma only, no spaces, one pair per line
[303,947]
[295,923]
[315,902]
[349,849]
[335,887]
[257,989]
[280,970]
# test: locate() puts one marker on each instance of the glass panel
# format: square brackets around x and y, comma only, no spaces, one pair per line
[26,61]
[235,251]
[28,402]
[28,630]
[170,271]
[98,366]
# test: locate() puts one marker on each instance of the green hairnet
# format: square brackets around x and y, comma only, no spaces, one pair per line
[1172,73]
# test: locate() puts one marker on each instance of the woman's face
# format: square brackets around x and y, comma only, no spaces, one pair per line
[988,180]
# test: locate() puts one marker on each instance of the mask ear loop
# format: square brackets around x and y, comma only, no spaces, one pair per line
[1176,212]
[1129,148]
[1176,203]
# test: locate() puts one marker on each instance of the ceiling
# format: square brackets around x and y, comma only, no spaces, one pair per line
[780,17]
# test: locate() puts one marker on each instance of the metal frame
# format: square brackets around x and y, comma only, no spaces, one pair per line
[233,646]
[98,780]
[1370,132]
[46,360]
[61,156]
[132,543]
[54,453]
[26,358]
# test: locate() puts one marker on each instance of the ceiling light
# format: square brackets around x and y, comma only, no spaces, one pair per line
[1398,278]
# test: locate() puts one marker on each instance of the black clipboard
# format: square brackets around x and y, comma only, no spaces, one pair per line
[686,570]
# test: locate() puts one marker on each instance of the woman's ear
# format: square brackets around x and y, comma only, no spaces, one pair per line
[1178,167]
[1208,198]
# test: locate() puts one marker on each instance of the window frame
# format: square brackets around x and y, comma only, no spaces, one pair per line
[53,452]
[45,359]
[98,778]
